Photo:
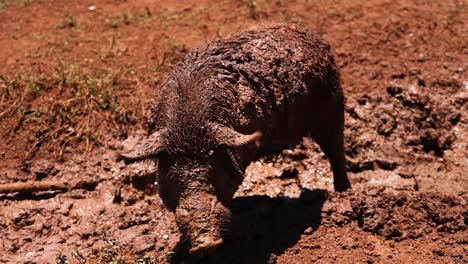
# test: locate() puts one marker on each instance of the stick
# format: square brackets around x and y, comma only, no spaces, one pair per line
[37,186]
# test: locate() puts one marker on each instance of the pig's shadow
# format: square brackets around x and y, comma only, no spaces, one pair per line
[263,227]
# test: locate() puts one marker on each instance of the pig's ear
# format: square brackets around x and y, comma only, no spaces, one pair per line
[228,137]
[149,148]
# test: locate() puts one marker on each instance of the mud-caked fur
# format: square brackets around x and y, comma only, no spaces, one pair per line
[281,81]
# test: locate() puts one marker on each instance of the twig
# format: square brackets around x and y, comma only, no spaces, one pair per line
[38,186]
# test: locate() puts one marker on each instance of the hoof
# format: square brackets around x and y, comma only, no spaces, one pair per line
[342,186]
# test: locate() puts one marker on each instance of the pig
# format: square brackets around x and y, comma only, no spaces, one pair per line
[230,102]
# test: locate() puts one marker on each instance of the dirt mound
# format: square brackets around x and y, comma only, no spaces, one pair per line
[411,215]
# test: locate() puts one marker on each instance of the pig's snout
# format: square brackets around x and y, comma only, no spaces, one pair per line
[205,245]
[201,219]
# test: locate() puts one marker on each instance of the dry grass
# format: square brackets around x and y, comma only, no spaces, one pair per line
[65,106]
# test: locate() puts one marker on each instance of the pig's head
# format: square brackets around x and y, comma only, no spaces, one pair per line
[199,172]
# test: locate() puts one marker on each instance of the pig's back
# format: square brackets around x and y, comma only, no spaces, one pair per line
[254,79]
[266,71]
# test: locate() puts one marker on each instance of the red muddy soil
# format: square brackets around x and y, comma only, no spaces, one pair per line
[77,76]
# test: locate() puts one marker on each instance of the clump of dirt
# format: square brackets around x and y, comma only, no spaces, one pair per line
[409,116]
[404,216]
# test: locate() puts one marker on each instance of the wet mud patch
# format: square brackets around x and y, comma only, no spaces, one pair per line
[411,137]
[102,224]
[406,160]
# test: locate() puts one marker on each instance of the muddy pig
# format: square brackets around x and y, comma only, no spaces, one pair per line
[250,94]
